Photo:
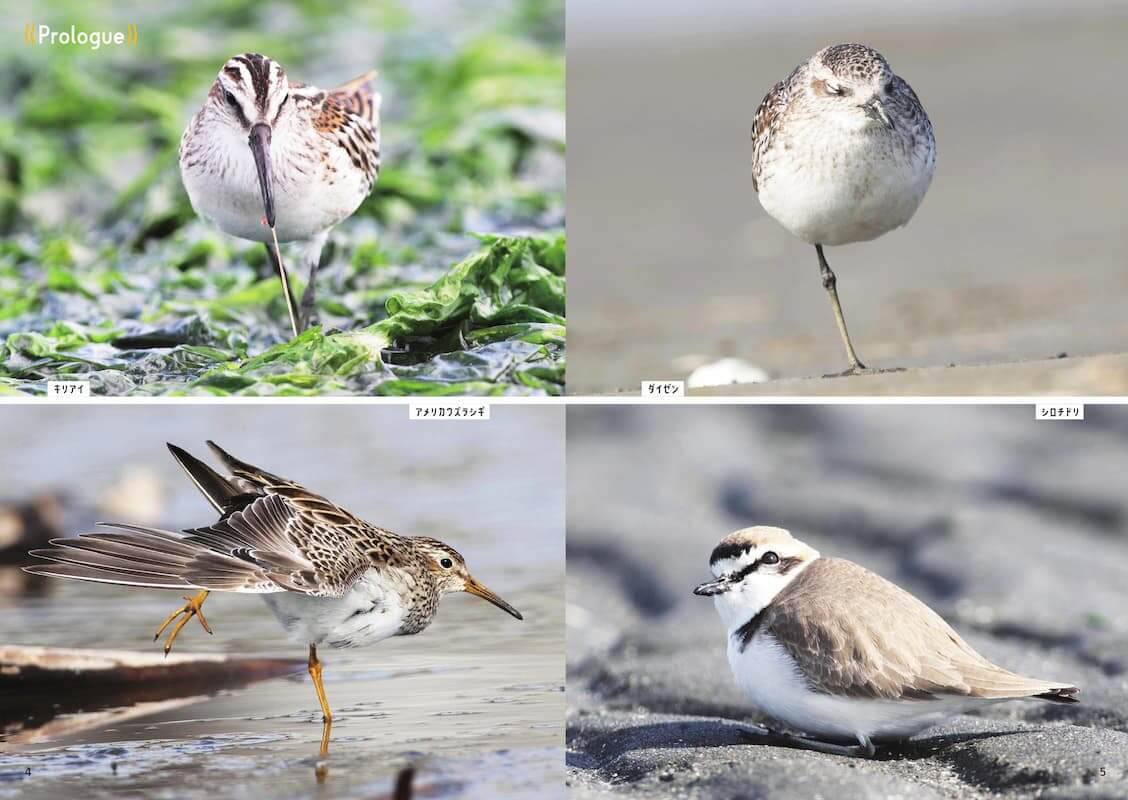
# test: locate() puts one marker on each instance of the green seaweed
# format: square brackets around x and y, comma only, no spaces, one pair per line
[107,275]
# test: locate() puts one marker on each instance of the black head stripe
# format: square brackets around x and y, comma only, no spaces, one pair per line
[728,550]
[748,570]
[789,563]
[259,68]
[784,566]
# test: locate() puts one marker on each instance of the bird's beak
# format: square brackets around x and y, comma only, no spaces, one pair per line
[713,587]
[259,141]
[876,111]
[475,588]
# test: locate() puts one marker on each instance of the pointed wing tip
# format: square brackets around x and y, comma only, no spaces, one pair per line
[219,451]
[1061,694]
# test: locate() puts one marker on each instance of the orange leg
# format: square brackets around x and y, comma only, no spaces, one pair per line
[315,670]
[193,607]
[321,771]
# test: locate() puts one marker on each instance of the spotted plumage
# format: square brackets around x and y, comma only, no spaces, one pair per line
[330,577]
[842,152]
[313,156]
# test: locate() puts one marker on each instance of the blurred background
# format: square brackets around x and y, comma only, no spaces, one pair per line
[99,239]
[1017,252]
[1015,531]
[475,700]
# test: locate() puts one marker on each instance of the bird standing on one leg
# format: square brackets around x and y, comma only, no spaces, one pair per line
[329,577]
[842,151]
[274,161]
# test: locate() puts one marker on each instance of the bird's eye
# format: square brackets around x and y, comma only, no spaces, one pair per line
[769,558]
[230,98]
[446,563]
[834,88]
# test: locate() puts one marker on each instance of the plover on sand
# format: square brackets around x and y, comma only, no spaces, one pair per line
[842,151]
[840,654]
[329,577]
[274,161]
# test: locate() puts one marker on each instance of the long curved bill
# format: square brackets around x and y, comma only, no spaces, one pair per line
[475,588]
[259,140]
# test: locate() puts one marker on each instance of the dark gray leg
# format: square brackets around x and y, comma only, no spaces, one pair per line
[305,313]
[312,253]
[830,283]
[291,306]
[864,748]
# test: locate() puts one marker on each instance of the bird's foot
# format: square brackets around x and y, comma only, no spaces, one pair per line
[767,736]
[854,369]
[862,369]
[193,607]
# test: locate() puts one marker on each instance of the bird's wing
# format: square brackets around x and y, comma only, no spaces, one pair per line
[866,637]
[357,96]
[764,126]
[224,494]
[349,116]
[268,546]
[272,536]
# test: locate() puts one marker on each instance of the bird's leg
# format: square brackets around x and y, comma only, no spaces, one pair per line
[321,771]
[830,283]
[276,260]
[864,748]
[193,607]
[312,252]
[315,669]
[403,790]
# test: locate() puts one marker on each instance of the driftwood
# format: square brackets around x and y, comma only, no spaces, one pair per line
[38,684]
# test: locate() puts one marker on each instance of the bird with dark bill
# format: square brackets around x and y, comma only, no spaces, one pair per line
[840,654]
[842,151]
[272,161]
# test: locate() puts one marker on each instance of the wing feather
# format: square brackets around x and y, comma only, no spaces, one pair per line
[870,638]
[273,536]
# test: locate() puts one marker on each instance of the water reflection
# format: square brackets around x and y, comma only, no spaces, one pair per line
[474,703]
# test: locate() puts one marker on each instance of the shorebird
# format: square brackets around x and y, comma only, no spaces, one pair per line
[329,577]
[842,151]
[842,655]
[274,161]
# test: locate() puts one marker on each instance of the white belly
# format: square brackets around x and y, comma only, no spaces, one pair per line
[225,190]
[853,193]
[770,679]
[368,613]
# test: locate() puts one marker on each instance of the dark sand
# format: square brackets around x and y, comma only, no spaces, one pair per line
[1016,531]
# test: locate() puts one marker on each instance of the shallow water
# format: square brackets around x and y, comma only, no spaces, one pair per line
[475,701]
